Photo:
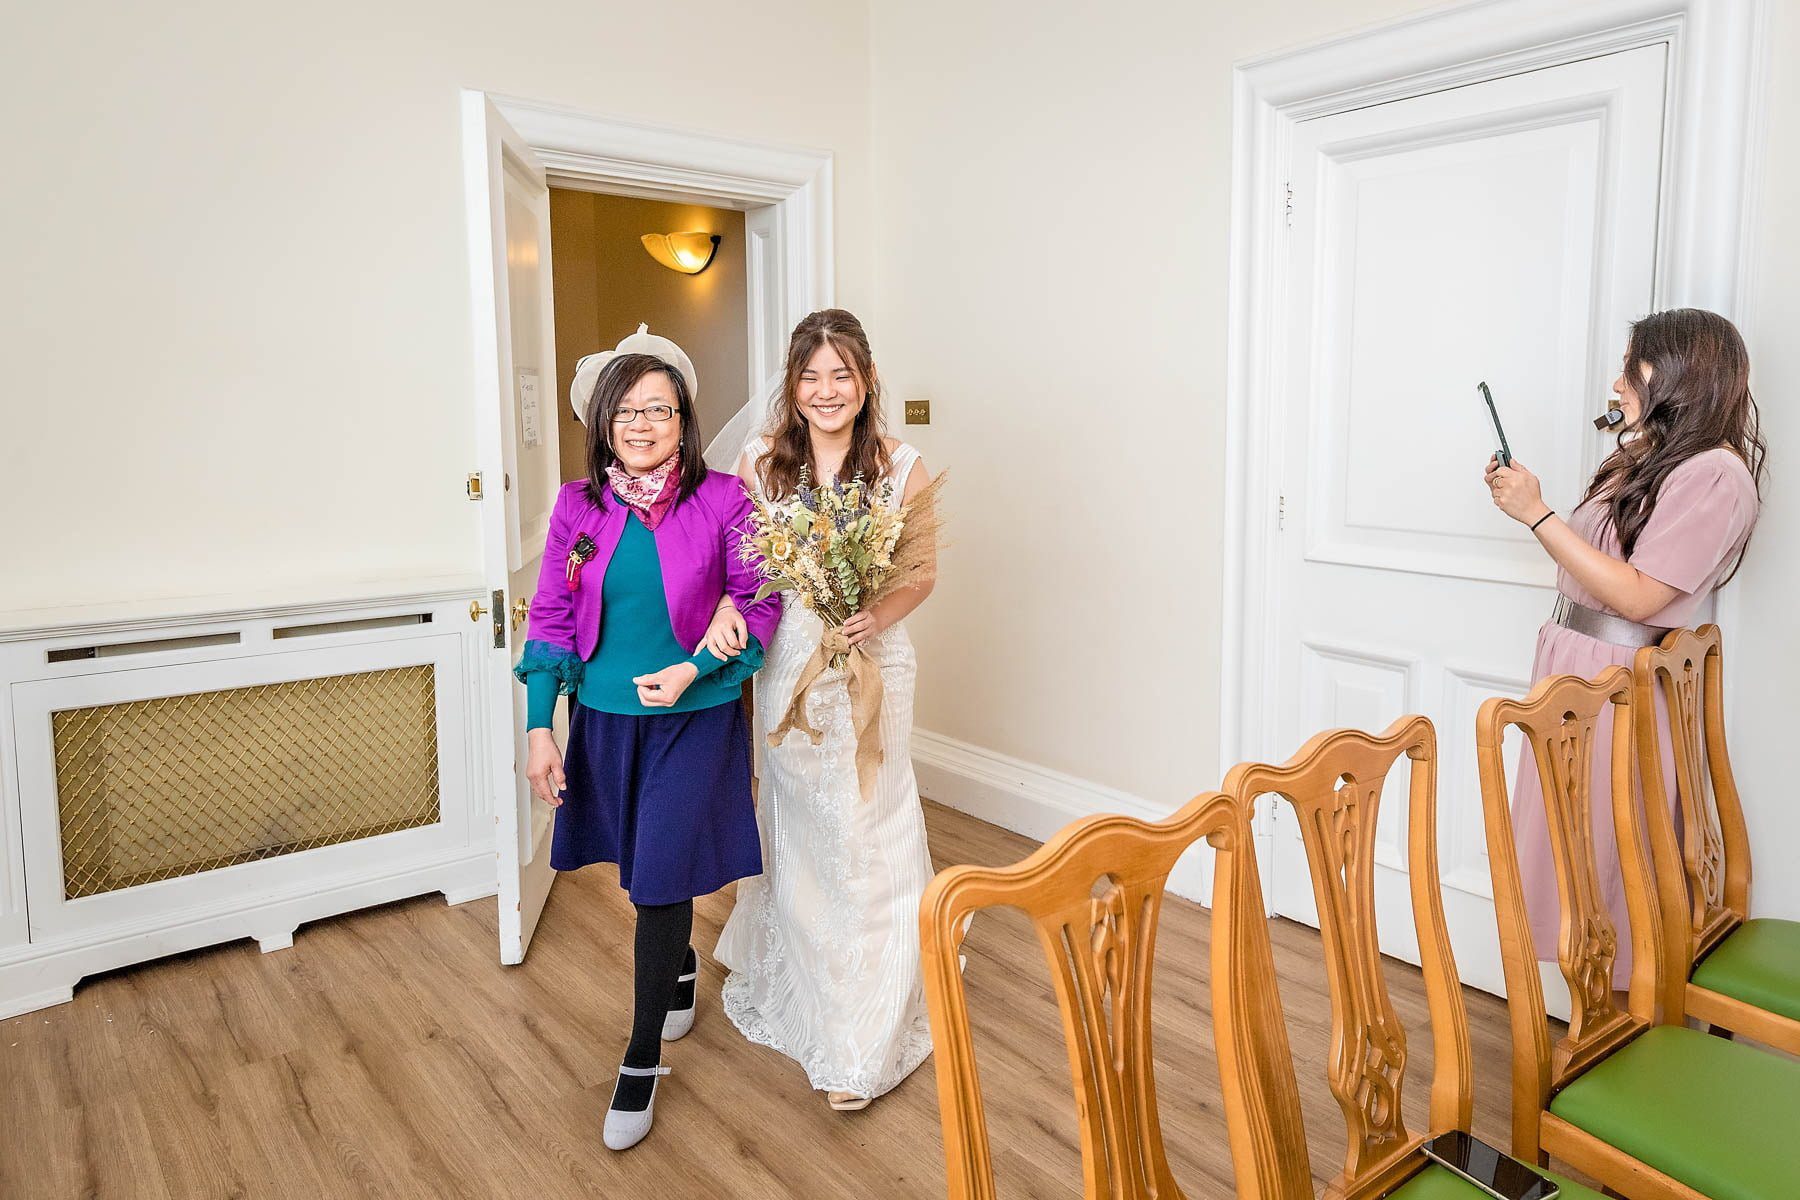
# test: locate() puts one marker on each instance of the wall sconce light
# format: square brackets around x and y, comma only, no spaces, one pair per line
[689,253]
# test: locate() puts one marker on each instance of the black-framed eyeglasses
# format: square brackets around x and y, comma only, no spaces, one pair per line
[656,412]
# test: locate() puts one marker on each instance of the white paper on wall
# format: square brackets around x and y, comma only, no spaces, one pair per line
[529,432]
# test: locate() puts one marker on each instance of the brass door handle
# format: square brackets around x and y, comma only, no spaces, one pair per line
[520,609]
[476,612]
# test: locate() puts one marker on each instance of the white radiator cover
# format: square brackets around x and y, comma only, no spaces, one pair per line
[230,774]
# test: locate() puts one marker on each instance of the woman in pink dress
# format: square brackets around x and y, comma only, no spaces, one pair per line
[1664,524]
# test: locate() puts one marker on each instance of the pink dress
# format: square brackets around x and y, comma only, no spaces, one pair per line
[1703,515]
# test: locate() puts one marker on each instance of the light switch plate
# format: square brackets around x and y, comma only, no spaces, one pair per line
[918,412]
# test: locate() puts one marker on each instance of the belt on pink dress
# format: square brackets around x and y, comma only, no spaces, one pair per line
[1604,627]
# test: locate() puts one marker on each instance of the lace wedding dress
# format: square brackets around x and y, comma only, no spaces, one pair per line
[823,946]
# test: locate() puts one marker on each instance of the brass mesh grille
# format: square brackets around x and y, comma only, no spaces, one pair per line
[155,789]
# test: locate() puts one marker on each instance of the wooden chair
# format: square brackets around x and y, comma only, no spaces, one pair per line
[1335,784]
[1100,942]
[1734,973]
[1653,1110]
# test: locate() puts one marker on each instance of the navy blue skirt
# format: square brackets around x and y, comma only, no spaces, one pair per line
[666,796]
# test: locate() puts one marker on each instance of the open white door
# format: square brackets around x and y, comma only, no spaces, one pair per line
[518,476]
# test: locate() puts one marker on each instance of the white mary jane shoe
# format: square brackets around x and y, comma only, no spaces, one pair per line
[679,1020]
[626,1129]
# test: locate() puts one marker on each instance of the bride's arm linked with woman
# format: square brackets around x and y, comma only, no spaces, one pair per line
[823,947]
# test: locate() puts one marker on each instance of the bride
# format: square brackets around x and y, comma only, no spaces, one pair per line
[823,947]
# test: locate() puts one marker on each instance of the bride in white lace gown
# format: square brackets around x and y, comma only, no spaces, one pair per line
[823,947]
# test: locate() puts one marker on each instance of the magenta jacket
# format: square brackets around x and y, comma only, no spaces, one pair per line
[697,542]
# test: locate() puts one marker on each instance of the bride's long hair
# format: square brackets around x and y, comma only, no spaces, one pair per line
[790,439]
[1698,399]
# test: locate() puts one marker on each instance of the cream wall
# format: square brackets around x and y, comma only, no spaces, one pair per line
[1052,239]
[234,335]
[607,284]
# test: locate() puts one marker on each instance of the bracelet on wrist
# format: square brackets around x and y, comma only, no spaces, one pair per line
[1542,519]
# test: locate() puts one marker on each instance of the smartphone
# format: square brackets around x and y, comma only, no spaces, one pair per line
[1502,451]
[1500,1176]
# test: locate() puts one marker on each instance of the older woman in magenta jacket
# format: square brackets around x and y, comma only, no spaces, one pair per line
[640,557]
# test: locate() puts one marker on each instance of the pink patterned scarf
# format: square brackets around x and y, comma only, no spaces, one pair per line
[652,495]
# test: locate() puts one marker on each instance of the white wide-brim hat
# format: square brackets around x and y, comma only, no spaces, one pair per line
[587,371]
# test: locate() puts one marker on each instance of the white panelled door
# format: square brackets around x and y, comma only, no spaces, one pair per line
[1504,231]
[516,422]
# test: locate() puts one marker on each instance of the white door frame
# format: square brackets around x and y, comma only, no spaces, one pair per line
[789,253]
[1717,80]
[789,259]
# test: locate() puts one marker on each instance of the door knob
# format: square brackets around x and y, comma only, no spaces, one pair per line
[520,608]
[476,612]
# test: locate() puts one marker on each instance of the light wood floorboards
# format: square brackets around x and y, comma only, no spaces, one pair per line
[388,1054]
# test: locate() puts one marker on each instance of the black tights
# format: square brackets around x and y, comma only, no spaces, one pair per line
[661,953]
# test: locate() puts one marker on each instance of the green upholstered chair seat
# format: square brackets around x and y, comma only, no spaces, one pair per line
[1759,963]
[1435,1183]
[1721,1117]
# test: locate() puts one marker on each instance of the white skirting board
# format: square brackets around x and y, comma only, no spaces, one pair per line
[39,976]
[1037,801]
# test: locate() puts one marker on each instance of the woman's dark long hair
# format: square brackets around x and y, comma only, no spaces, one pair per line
[790,442]
[617,378]
[1698,399]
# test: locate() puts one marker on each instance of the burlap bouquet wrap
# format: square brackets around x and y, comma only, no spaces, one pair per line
[862,679]
[910,561]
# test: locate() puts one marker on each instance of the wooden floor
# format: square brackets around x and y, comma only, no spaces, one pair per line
[388,1054]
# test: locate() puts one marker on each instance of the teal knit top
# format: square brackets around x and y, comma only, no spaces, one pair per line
[635,639]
